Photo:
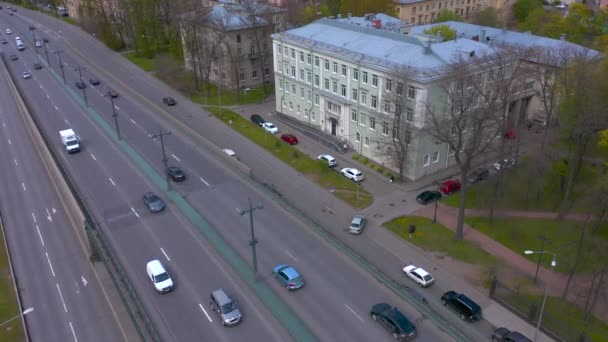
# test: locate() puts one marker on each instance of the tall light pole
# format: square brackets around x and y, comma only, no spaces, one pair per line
[59,52]
[46,53]
[84,85]
[114,114]
[27,311]
[436,200]
[161,135]
[542,307]
[253,241]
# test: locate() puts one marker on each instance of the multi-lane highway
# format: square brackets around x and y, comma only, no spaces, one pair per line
[113,174]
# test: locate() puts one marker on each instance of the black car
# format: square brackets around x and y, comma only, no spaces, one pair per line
[506,335]
[32,27]
[464,306]
[169,101]
[4,41]
[176,174]
[14,57]
[394,321]
[94,81]
[428,196]
[113,93]
[80,85]
[478,175]
[153,202]
[258,120]
[37,66]
[45,39]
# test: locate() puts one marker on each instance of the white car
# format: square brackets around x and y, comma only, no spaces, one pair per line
[38,44]
[505,163]
[561,6]
[26,74]
[420,276]
[230,153]
[352,174]
[270,128]
[331,161]
[159,277]
[8,31]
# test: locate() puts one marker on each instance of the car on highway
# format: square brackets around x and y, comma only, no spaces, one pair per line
[225,307]
[506,335]
[230,153]
[176,174]
[289,138]
[94,81]
[258,120]
[14,57]
[153,202]
[38,44]
[112,93]
[450,186]
[418,275]
[464,306]
[8,31]
[478,175]
[169,101]
[159,277]
[352,174]
[428,196]
[288,276]
[357,224]
[26,74]
[80,84]
[270,127]
[37,66]
[4,41]
[504,164]
[394,321]
[32,27]
[45,39]
[331,161]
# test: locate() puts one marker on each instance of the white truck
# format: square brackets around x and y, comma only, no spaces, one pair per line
[70,140]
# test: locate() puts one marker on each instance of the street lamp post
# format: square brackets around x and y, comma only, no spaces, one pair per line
[253,241]
[161,135]
[46,53]
[59,52]
[542,307]
[115,116]
[436,200]
[27,311]
[84,87]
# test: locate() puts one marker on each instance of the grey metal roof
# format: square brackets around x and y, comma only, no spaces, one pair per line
[405,2]
[387,22]
[231,18]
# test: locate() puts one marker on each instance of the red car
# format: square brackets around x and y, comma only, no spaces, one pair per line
[450,186]
[289,138]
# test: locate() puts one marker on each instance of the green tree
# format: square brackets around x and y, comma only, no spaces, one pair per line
[447,15]
[543,23]
[488,17]
[361,7]
[309,14]
[334,6]
[603,139]
[523,8]
[447,33]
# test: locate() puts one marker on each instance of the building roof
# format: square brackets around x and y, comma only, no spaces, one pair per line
[386,21]
[234,16]
[407,2]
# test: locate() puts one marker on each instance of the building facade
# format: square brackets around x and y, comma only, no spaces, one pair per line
[425,11]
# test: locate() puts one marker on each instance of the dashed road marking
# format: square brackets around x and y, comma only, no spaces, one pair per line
[40,235]
[354,313]
[50,264]
[290,255]
[166,256]
[23,186]
[73,332]
[112,181]
[92,156]
[206,314]
[173,155]
[202,180]
[61,296]
[135,212]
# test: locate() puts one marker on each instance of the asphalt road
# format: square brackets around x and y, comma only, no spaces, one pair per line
[337,293]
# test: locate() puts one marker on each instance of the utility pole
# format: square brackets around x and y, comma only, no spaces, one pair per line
[46,53]
[84,88]
[114,115]
[161,135]
[253,241]
[59,52]
[436,200]
[543,239]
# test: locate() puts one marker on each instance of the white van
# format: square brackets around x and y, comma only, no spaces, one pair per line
[159,276]
[20,46]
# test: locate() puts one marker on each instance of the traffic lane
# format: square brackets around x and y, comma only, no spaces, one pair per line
[328,299]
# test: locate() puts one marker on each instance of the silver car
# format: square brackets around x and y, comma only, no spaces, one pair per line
[225,307]
[357,224]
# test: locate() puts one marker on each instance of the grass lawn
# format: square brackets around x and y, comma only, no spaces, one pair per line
[519,189]
[345,189]
[520,234]
[436,238]
[146,64]
[229,98]
[12,331]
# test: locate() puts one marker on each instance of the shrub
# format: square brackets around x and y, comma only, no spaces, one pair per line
[356,156]
[295,154]
[364,160]
[378,168]
[387,173]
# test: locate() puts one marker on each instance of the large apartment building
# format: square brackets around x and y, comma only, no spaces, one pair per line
[425,11]
[345,79]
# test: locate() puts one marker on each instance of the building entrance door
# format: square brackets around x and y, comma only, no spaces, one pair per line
[334,125]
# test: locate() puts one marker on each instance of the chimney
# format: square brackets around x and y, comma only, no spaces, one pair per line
[482,37]
[427,48]
[439,38]
[377,23]
[562,37]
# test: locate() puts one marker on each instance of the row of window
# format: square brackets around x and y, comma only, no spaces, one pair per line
[254,74]
[298,112]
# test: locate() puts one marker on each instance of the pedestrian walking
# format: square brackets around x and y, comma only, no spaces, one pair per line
[391,179]
[345,147]
[412,230]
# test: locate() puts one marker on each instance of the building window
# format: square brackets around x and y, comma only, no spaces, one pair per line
[254,74]
[374,102]
[335,67]
[308,77]
[426,160]
[385,128]
[387,106]
[435,156]
[241,75]
[301,56]
[316,61]
[312,116]
[301,92]
[362,119]
[332,107]
[529,85]
[293,72]
[399,88]
[408,137]
[327,65]
[358,137]
[286,51]
[317,80]
[316,99]
[343,70]
[326,83]
[279,49]
[366,141]
[334,87]
[308,59]
[298,109]
[365,77]
[389,85]
[266,71]
[451,151]
[305,112]
[343,90]
[238,38]
[309,97]
[353,115]
[411,93]
[301,75]
[355,74]
[287,69]
[409,114]
[363,98]
[293,88]
[355,94]
[293,54]
[280,84]
[287,87]
[290,105]
[374,80]
[372,123]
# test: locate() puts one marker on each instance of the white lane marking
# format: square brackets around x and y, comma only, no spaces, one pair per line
[134,212]
[50,265]
[61,296]
[84,281]
[354,313]
[112,181]
[290,255]
[48,97]
[206,314]
[56,108]
[115,106]
[133,121]
[40,235]
[166,256]
[48,215]
[16,164]
[73,332]
[34,217]
[173,155]
[92,156]
[10,142]
[202,180]
[3,124]
[66,121]
[23,186]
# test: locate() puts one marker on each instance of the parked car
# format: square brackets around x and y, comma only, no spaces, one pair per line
[176,174]
[153,202]
[8,31]
[331,161]
[561,6]
[464,306]
[428,196]
[419,275]
[270,127]
[504,164]
[478,175]
[37,66]
[289,138]
[159,277]
[38,44]
[258,120]
[231,153]
[4,40]
[288,276]
[80,85]
[394,321]
[450,186]
[94,81]
[506,335]
[113,93]
[225,307]
[352,174]
[26,75]
[169,101]
[357,224]
[14,57]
